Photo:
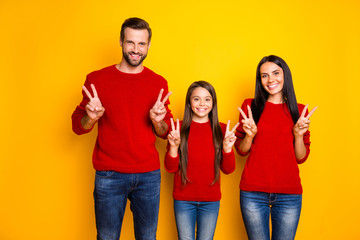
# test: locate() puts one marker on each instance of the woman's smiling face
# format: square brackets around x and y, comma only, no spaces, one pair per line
[272,80]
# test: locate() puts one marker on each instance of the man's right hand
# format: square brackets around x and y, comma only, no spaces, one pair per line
[94,108]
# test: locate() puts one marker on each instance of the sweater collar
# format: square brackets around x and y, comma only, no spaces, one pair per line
[141,74]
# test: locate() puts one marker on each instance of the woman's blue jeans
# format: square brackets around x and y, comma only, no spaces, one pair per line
[284,209]
[202,214]
[112,189]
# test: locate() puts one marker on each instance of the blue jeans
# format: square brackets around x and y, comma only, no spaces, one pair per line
[256,208]
[188,214]
[112,189]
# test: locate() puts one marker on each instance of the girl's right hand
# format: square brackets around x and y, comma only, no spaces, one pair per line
[174,135]
[249,124]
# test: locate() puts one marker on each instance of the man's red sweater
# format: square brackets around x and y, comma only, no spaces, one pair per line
[272,166]
[200,170]
[125,141]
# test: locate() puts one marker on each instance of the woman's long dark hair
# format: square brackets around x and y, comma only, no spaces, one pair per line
[288,93]
[185,129]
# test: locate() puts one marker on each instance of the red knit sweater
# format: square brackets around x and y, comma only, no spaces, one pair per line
[272,166]
[125,141]
[200,170]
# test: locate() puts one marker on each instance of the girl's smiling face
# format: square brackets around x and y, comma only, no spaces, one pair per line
[201,104]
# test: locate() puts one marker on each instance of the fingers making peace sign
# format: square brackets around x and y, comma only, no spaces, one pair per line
[174,134]
[229,138]
[302,125]
[158,111]
[94,108]
[249,124]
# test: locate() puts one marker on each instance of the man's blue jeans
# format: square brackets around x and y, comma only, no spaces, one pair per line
[256,208]
[112,189]
[202,214]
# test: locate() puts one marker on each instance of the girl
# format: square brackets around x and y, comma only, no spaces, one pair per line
[276,137]
[196,153]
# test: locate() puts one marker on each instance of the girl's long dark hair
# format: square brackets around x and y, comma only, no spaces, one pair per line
[288,93]
[185,129]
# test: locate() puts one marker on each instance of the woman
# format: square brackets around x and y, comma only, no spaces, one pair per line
[196,154]
[277,139]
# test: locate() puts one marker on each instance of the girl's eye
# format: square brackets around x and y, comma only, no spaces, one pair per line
[208,99]
[276,73]
[264,76]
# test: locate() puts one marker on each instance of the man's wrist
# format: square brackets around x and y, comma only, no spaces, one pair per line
[157,123]
[87,122]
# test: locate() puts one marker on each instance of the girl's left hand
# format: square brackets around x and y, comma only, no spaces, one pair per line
[229,138]
[302,125]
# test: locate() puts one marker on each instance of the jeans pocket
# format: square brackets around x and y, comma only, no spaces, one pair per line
[104,174]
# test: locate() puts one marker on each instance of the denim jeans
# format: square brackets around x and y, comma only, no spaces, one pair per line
[284,209]
[112,189]
[203,214]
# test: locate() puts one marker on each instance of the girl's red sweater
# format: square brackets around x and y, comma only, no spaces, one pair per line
[200,170]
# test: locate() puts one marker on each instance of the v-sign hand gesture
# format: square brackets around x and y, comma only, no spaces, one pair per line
[174,135]
[94,109]
[229,138]
[249,124]
[158,111]
[302,125]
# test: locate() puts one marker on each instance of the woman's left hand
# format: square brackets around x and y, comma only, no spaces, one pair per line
[229,138]
[302,125]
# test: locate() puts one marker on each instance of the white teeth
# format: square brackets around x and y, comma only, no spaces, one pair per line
[135,55]
[273,86]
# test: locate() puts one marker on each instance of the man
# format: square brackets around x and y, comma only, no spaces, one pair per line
[119,98]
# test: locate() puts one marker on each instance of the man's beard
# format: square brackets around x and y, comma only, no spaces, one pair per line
[134,64]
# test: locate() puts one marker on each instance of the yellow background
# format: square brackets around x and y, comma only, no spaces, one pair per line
[48,47]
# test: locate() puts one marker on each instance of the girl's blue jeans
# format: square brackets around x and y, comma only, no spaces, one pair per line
[203,215]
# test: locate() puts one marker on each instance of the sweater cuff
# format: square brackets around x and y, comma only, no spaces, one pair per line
[171,163]
[79,129]
[228,162]
[227,155]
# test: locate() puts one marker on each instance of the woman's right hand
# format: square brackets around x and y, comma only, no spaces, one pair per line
[249,124]
[174,135]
